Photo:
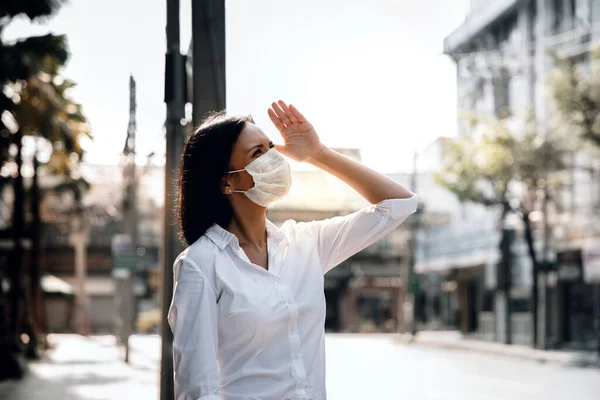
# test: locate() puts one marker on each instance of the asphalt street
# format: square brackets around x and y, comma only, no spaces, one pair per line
[358,367]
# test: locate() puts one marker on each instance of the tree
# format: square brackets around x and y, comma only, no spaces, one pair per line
[479,170]
[47,113]
[20,61]
[482,169]
[576,95]
[575,91]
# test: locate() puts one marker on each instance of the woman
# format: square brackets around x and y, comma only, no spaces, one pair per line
[248,307]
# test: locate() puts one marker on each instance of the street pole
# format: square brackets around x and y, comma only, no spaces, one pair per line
[409,310]
[79,240]
[130,172]
[541,63]
[130,219]
[208,57]
[175,101]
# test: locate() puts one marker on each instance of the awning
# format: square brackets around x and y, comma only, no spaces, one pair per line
[474,258]
[477,21]
[590,253]
[53,286]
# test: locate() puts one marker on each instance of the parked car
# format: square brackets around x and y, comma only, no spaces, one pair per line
[148,321]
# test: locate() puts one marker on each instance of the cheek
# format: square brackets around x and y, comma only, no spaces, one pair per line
[246,181]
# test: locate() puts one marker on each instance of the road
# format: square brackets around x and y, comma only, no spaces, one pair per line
[378,368]
[358,367]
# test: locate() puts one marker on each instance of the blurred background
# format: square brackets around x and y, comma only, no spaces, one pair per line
[489,110]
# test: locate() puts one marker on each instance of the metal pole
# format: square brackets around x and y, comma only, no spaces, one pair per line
[175,100]
[541,64]
[126,306]
[208,57]
[410,297]
[130,171]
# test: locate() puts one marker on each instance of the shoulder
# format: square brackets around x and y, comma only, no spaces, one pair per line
[200,256]
[298,230]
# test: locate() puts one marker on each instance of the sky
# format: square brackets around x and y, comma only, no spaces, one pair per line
[367,74]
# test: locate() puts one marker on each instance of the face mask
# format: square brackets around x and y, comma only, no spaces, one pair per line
[272,178]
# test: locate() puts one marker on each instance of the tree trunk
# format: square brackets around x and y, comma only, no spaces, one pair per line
[506,272]
[505,275]
[15,271]
[9,366]
[36,305]
[534,276]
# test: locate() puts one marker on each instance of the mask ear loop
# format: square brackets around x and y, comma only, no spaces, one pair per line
[233,172]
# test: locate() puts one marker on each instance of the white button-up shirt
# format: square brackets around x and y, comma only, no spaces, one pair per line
[242,332]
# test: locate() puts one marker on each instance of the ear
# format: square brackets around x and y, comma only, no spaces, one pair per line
[226,187]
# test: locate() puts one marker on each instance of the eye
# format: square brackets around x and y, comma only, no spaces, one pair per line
[257,152]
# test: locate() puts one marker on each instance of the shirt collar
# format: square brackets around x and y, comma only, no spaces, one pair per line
[219,236]
[274,233]
[222,237]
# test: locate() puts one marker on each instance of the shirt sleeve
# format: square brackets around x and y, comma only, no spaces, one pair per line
[341,237]
[193,320]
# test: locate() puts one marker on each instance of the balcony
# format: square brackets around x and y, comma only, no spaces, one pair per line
[455,248]
[477,21]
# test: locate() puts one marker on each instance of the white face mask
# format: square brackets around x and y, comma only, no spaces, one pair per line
[272,178]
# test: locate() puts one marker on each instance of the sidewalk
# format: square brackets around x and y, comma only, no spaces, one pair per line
[89,368]
[455,341]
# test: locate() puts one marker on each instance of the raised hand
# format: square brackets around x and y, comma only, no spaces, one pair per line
[301,141]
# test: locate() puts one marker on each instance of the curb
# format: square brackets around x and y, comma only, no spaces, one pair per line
[566,358]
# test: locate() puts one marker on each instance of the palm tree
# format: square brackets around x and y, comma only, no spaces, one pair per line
[47,113]
[19,61]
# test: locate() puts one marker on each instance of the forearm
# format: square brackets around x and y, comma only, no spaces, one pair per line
[372,185]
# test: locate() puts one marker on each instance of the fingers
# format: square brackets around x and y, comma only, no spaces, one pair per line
[297,114]
[276,121]
[287,111]
[281,114]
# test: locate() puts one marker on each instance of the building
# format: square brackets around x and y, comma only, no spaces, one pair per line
[104,215]
[501,53]
[456,254]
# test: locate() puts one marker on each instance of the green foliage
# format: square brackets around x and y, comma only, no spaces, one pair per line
[46,110]
[575,91]
[27,57]
[32,55]
[33,9]
[35,94]
[480,167]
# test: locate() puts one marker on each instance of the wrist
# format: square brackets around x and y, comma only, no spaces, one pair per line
[315,158]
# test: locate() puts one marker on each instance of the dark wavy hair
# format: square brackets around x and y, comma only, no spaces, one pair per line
[204,162]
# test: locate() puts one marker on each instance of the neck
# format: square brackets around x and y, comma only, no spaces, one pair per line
[249,224]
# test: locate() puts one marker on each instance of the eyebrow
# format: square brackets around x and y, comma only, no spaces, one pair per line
[258,146]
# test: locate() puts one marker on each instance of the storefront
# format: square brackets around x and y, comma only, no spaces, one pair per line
[577,298]
[371,304]
[437,305]
[334,296]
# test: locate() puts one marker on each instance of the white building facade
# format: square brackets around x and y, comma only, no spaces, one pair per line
[501,53]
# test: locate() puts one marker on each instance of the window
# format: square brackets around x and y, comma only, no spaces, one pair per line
[534,21]
[558,14]
[582,12]
[501,85]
